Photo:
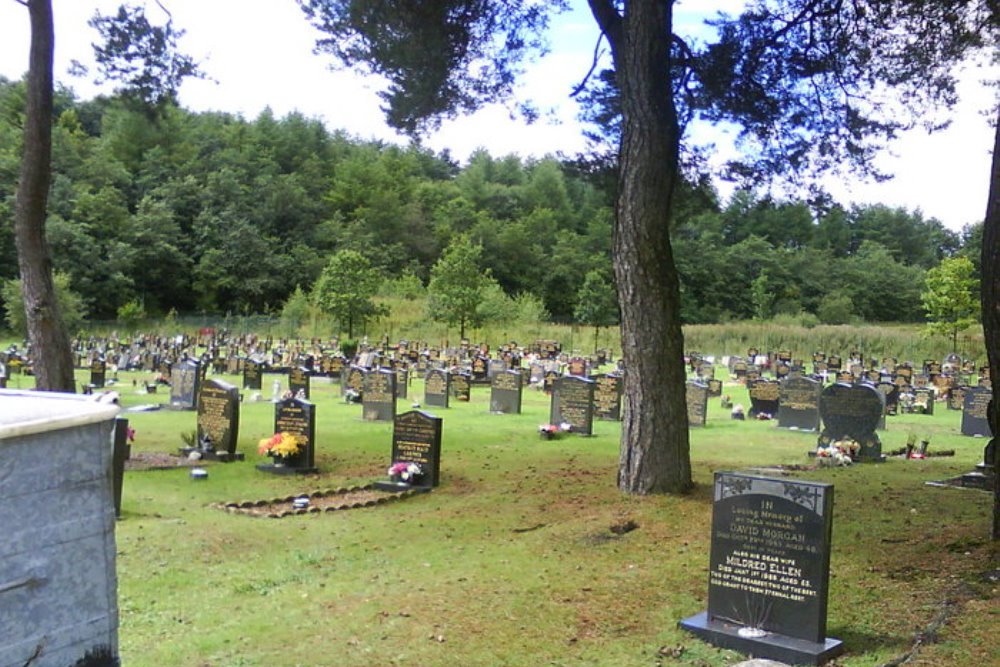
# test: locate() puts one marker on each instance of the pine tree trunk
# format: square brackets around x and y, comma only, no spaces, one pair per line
[654,455]
[52,360]
[991,308]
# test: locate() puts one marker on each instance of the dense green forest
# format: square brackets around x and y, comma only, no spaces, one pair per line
[210,212]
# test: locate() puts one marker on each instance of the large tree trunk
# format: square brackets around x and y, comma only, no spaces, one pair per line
[655,456]
[52,360]
[991,308]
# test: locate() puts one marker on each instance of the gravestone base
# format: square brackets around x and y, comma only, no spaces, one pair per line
[790,650]
[223,456]
[399,487]
[286,470]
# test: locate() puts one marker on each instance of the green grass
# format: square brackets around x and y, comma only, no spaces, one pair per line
[511,561]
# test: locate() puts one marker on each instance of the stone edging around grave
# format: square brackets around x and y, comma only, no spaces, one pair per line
[329,500]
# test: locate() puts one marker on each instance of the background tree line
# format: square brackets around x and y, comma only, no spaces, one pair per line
[212,212]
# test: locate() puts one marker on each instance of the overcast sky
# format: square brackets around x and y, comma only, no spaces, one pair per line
[259,53]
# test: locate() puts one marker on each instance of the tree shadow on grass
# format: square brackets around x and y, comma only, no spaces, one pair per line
[858,642]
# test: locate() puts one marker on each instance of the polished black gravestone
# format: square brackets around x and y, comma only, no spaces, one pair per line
[298,382]
[297,417]
[437,388]
[769,569]
[184,381]
[353,379]
[402,383]
[798,403]
[764,397]
[98,373]
[852,411]
[378,397]
[416,438]
[461,386]
[890,393]
[608,389]
[251,375]
[956,397]
[218,422]
[696,395]
[505,392]
[573,403]
[974,412]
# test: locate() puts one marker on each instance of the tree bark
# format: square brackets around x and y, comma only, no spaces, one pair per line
[655,452]
[52,360]
[990,294]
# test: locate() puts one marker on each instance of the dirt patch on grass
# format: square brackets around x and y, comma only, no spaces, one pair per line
[318,501]
[159,461]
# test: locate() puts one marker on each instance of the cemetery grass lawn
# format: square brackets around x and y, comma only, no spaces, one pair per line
[512,560]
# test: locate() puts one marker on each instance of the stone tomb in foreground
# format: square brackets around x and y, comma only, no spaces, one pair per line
[769,569]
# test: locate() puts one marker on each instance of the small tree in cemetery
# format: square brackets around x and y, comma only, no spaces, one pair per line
[346,287]
[457,285]
[596,302]
[949,298]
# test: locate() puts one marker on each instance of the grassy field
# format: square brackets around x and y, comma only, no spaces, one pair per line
[511,561]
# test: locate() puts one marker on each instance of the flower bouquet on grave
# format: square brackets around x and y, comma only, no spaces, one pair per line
[406,472]
[553,431]
[838,453]
[281,447]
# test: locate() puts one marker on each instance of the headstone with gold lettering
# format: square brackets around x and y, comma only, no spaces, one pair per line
[798,403]
[437,388]
[573,404]
[298,382]
[974,411]
[769,569]
[184,382]
[298,418]
[378,397]
[764,398]
[218,422]
[696,394]
[416,439]
[506,388]
[608,389]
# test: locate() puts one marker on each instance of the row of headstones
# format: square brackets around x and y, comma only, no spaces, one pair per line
[218,402]
[803,403]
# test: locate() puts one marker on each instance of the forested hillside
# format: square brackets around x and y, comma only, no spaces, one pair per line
[211,212]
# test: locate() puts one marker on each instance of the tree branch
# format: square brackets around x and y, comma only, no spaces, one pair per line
[608,20]
[593,65]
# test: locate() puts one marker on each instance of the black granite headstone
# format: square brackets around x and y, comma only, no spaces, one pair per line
[98,373]
[252,375]
[608,390]
[184,382]
[852,411]
[353,379]
[461,386]
[218,421]
[378,396]
[798,403]
[764,397]
[297,417]
[505,392]
[573,404]
[120,454]
[696,395]
[437,388]
[974,412]
[298,382]
[769,569]
[402,383]
[416,438]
